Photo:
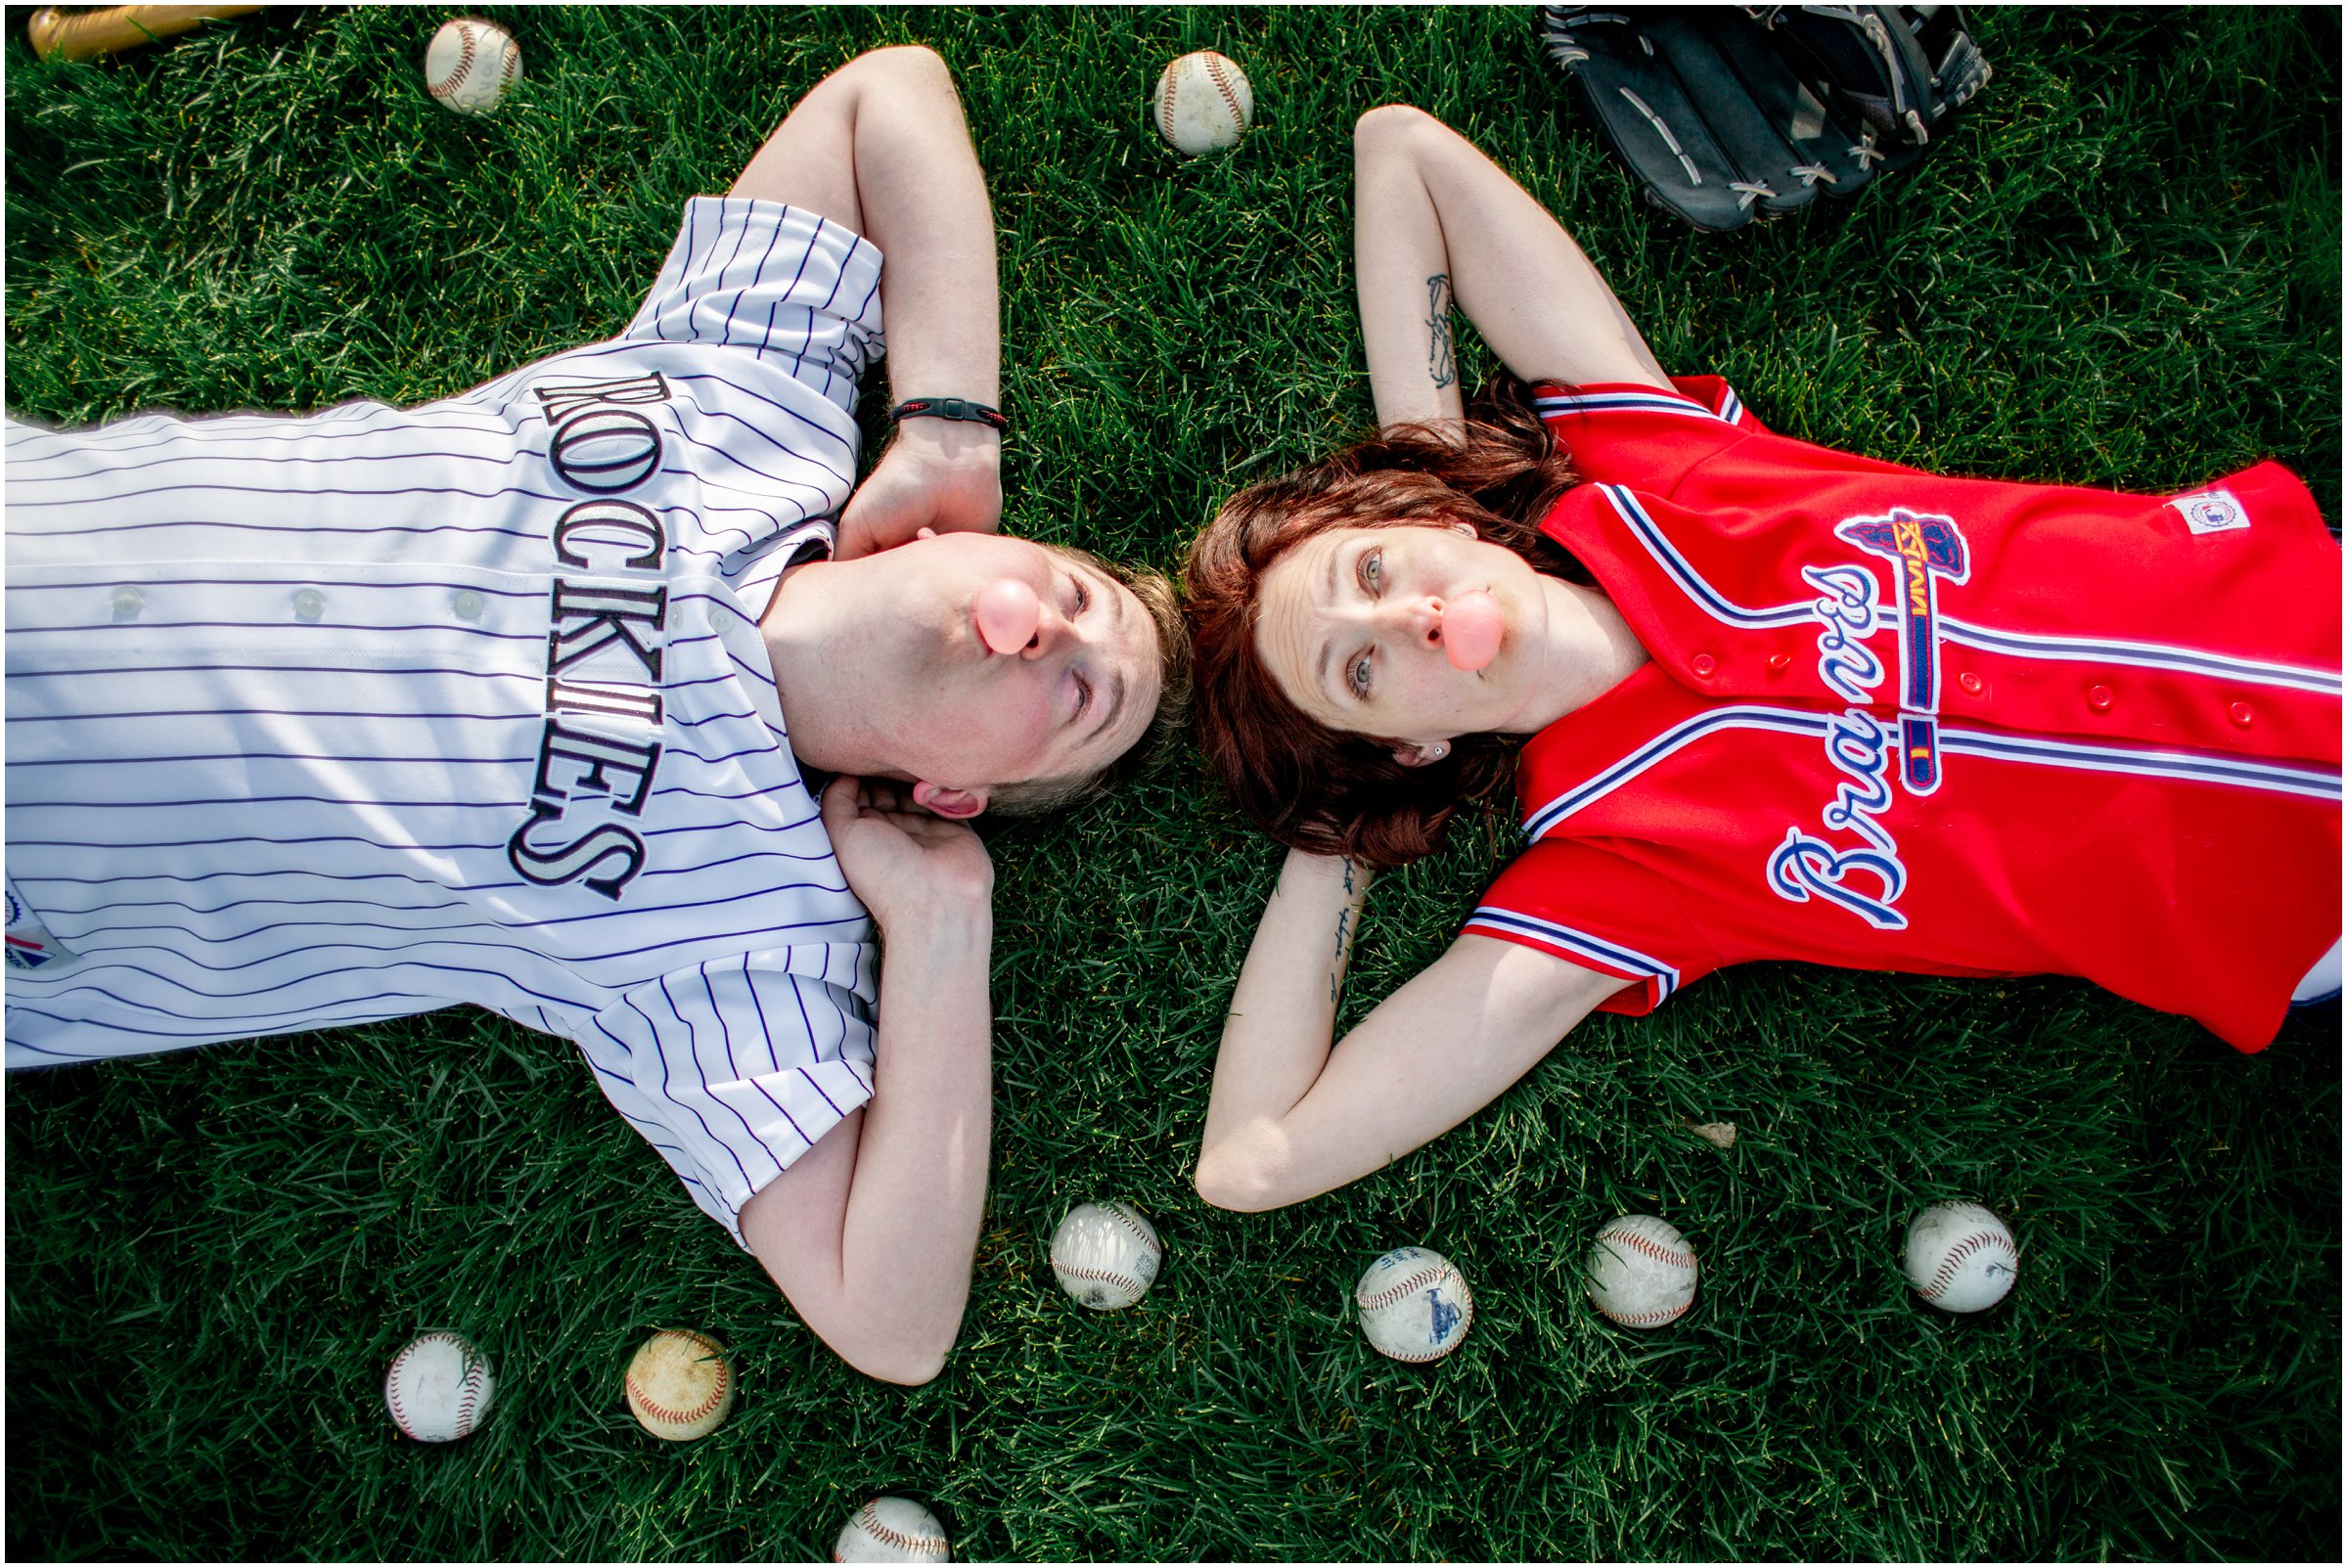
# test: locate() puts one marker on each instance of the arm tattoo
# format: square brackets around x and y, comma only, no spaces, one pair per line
[1345,939]
[1441,356]
[1344,921]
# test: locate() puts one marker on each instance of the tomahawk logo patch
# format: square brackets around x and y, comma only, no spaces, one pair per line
[1926,549]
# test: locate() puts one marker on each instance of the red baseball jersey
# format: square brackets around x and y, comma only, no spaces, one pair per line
[1899,721]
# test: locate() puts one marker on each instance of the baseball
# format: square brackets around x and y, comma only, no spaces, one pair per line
[471,64]
[1960,1257]
[1202,102]
[891,1530]
[1106,1255]
[438,1387]
[1415,1305]
[1642,1273]
[680,1385]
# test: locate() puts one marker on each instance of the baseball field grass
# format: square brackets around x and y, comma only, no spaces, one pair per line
[2122,269]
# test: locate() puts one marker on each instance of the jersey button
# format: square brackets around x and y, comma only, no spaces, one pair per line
[1703,664]
[468,605]
[309,605]
[1971,683]
[2240,715]
[2100,698]
[1778,661]
[128,601]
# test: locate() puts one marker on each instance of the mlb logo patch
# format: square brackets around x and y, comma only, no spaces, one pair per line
[2211,512]
[29,952]
[29,944]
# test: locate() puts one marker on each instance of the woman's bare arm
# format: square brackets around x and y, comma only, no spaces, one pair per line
[1290,1118]
[1437,223]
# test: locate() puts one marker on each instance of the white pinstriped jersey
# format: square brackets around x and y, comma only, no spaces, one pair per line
[324,720]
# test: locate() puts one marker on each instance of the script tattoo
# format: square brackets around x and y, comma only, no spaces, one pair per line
[1442,361]
[1344,938]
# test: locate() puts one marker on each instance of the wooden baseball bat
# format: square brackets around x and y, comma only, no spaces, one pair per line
[110,29]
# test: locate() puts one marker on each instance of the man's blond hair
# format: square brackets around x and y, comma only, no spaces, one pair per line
[1032,797]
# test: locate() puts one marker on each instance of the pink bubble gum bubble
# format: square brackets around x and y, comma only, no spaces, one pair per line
[1007,614]
[1470,630]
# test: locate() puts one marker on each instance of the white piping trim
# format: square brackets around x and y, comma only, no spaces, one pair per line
[1626,403]
[1613,955]
[2239,772]
[2200,767]
[2149,656]
[1691,582]
[2018,644]
[1786,720]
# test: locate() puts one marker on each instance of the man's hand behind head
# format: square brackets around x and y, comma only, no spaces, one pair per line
[941,474]
[912,869]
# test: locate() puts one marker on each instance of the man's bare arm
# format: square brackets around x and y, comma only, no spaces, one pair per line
[880,147]
[872,1231]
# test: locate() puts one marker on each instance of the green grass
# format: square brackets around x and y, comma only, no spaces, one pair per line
[2122,269]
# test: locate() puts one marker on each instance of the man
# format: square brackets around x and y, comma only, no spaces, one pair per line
[511,699]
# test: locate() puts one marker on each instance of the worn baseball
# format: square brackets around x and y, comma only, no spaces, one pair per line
[438,1387]
[1414,1304]
[1642,1273]
[680,1385]
[1203,102]
[471,64]
[1960,1257]
[1106,1255]
[891,1530]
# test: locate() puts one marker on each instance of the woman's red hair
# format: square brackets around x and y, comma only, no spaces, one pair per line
[1319,789]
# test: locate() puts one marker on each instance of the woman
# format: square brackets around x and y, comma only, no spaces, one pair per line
[1780,701]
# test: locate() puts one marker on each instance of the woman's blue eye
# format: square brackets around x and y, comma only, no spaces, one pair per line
[1373,569]
[1359,676]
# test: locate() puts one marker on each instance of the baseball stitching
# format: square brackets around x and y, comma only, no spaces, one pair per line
[1108,1276]
[1222,85]
[660,1411]
[1660,1252]
[464,64]
[398,1411]
[1124,1217]
[869,1516]
[1645,1320]
[1945,1275]
[1407,1289]
[472,1384]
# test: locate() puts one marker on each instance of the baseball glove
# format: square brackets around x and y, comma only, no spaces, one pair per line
[1727,113]
[1903,69]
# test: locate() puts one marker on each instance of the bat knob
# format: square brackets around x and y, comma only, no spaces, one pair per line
[42,31]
